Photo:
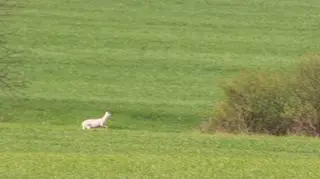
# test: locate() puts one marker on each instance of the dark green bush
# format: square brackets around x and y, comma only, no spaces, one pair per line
[276,103]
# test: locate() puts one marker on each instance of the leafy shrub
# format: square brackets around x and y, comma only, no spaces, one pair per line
[277,103]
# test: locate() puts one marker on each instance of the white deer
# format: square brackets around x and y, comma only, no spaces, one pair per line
[96,123]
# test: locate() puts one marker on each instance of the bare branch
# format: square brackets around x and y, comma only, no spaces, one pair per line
[11,78]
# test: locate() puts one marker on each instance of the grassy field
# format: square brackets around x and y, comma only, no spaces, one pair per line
[40,151]
[156,65]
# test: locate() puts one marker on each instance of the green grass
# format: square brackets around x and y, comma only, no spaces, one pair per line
[156,65]
[159,60]
[40,151]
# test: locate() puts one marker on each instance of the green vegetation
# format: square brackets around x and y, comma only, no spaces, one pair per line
[42,151]
[275,103]
[156,65]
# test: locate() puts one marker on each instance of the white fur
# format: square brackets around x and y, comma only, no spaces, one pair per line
[95,123]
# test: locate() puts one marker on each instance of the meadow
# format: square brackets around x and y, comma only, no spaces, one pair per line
[156,65]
